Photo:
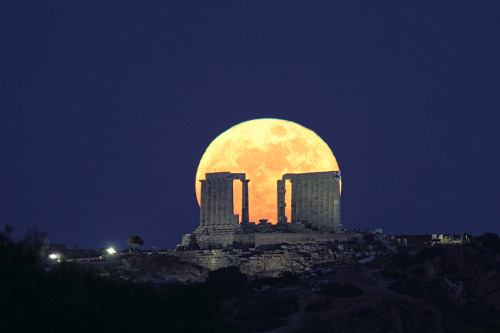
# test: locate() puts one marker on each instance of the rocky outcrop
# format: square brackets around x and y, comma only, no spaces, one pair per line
[272,260]
[435,289]
[143,267]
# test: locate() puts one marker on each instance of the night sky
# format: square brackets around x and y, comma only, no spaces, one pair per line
[107,108]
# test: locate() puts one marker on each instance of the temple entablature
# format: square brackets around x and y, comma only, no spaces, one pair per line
[311,175]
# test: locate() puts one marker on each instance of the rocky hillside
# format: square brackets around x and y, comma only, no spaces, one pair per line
[420,287]
[424,287]
[453,288]
[146,268]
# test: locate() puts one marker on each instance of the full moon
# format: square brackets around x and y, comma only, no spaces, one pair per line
[265,149]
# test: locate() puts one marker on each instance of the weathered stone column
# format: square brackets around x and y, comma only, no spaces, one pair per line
[293,213]
[281,201]
[206,202]
[301,213]
[314,203]
[297,188]
[309,200]
[229,202]
[325,203]
[330,203]
[203,198]
[244,200]
[218,198]
[223,198]
[321,182]
[213,202]
[336,203]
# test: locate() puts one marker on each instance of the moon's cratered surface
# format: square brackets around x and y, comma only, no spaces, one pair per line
[265,149]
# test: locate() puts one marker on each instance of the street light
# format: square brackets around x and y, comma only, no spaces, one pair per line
[55,257]
[110,251]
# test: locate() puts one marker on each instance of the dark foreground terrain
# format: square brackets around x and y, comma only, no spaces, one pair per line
[444,288]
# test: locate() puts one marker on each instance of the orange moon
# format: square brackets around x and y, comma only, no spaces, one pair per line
[265,149]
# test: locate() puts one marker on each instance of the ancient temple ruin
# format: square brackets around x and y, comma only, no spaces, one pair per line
[315,212]
[315,199]
[216,204]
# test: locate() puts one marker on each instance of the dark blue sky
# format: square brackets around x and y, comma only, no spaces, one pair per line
[107,108]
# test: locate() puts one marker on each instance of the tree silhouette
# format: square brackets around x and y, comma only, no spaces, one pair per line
[135,241]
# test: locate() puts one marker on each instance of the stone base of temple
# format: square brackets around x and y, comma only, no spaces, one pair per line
[212,237]
[295,253]
[251,235]
[306,227]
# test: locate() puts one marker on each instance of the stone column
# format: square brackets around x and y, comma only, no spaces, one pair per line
[320,201]
[301,211]
[281,201]
[218,198]
[203,198]
[213,204]
[297,187]
[336,204]
[208,202]
[309,209]
[293,215]
[229,202]
[325,202]
[244,200]
[330,202]
[223,199]
[314,203]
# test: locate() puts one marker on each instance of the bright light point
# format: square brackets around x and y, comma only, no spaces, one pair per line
[53,256]
[111,250]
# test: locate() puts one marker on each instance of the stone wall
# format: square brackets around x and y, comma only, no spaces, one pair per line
[273,259]
[206,238]
[302,238]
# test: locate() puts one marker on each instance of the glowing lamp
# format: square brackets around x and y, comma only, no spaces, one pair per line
[110,251]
